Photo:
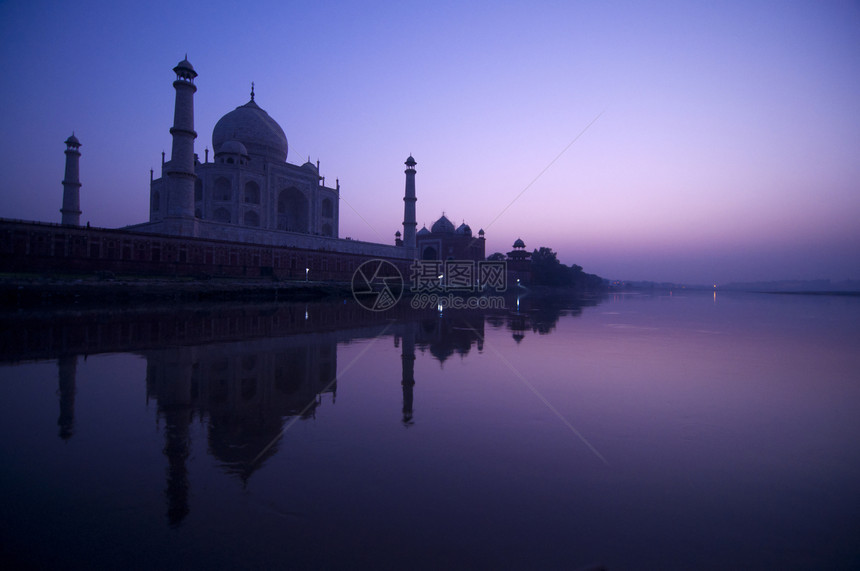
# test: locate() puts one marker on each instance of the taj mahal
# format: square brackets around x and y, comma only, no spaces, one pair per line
[250,184]
[250,193]
[245,211]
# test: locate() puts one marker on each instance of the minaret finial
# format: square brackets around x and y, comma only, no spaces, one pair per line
[252,91]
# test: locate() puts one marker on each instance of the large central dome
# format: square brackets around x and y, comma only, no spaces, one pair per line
[252,127]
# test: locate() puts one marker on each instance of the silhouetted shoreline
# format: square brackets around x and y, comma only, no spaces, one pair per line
[33,291]
[812,287]
[834,293]
[59,291]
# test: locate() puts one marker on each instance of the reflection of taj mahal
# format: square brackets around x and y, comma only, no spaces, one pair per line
[246,374]
[244,391]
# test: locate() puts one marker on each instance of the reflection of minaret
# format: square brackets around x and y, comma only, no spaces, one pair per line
[407,360]
[172,381]
[67,365]
[176,448]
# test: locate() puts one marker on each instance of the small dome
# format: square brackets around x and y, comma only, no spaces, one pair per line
[464,229]
[185,64]
[234,148]
[73,141]
[252,126]
[423,232]
[410,162]
[311,167]
[519,243]
[443,225]
[185,69]
[481,232]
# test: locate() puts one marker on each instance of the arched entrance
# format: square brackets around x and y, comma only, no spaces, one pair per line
[293,212]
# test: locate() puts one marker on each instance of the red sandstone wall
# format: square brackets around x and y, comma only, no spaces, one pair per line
[39,247]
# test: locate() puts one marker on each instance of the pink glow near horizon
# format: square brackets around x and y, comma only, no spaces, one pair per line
[726,150]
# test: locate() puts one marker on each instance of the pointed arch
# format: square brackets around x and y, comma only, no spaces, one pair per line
[223,189]
[293,211]
[252,192]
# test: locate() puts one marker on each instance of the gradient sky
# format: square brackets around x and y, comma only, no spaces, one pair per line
[726,145]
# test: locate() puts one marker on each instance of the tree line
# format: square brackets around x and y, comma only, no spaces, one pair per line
[547,270]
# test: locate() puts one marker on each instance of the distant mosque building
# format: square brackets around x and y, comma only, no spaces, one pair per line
[444,242]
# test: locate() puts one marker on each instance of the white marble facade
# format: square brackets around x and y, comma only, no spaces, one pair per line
[250,186]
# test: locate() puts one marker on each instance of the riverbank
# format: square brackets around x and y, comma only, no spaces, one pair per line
[25,291]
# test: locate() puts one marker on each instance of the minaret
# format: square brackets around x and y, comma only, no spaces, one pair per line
[180,169]
[71,209]
[409,199]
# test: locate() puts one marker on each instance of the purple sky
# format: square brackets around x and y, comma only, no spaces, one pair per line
[728,148]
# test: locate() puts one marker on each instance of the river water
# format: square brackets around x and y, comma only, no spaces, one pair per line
[676,430]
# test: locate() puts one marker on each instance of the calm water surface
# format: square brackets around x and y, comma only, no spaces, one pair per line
[638,432]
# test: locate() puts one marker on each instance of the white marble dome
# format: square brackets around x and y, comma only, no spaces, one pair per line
[251,126]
